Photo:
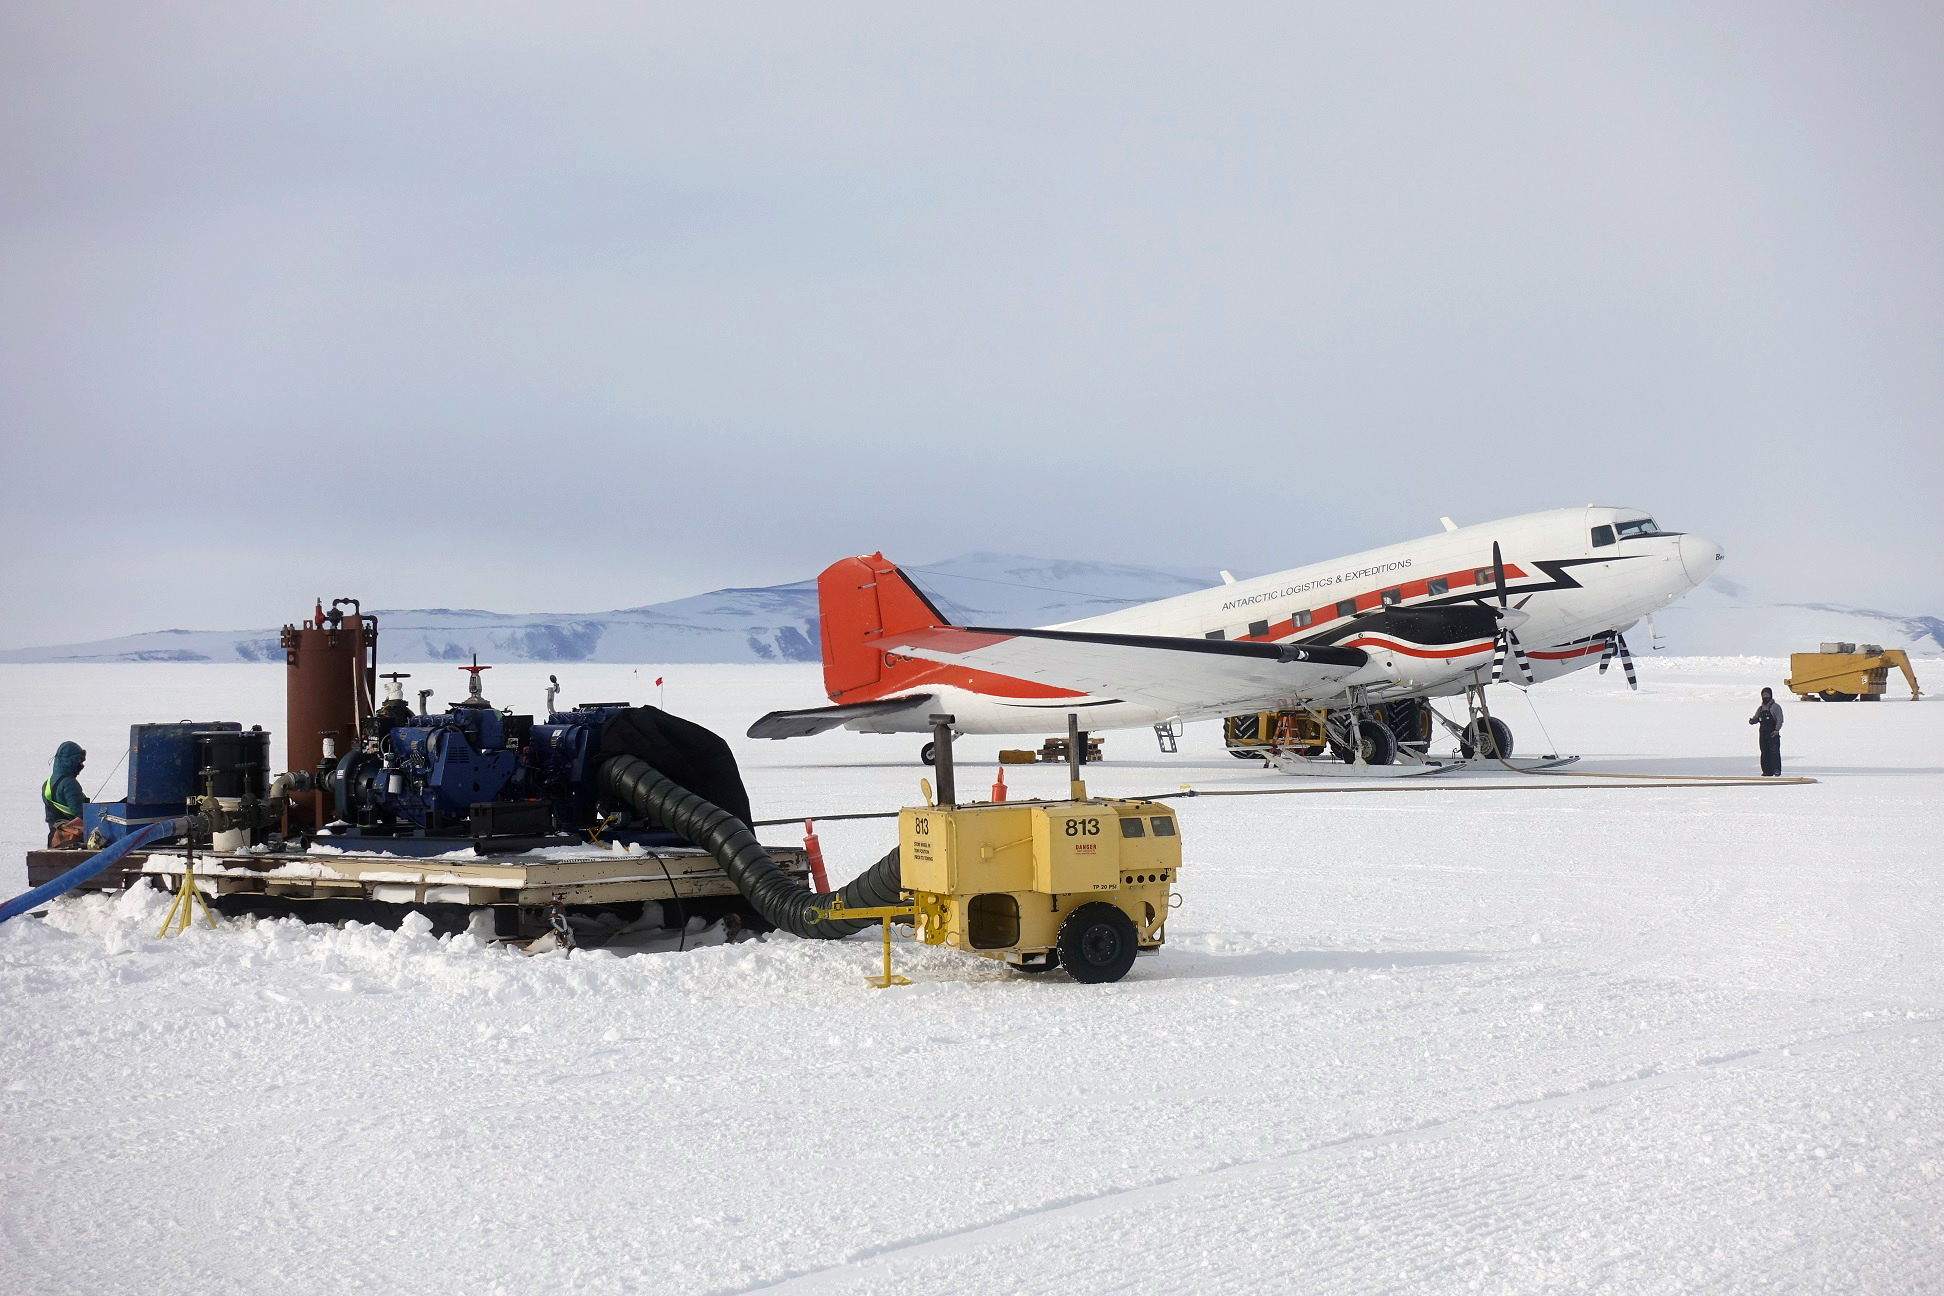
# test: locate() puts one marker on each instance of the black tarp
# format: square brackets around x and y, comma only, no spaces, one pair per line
[696,758]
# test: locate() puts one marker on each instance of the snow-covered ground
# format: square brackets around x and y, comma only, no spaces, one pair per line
[1679,1039]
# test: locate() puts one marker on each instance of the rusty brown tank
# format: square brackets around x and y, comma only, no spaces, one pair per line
[330,681]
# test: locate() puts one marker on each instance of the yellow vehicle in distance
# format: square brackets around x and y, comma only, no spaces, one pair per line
[1848,672]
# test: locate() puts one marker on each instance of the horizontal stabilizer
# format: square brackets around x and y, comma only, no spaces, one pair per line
[816,720]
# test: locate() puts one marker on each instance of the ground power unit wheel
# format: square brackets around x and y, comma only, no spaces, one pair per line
[1096,943]
[1497,743]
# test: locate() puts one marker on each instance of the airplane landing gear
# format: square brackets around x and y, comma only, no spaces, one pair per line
[1376,745]
[928,754]
[1493,742]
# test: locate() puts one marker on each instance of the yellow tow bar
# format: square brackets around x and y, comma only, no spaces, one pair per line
[884,914]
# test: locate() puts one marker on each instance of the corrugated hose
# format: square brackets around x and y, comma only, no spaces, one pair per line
[777,896]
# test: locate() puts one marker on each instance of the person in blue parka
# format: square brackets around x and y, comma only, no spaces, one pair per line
[61,795]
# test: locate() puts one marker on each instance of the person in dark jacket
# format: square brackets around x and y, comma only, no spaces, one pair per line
[61,795]
[1769,716]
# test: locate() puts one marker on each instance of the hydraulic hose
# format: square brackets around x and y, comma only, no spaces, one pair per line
[775,894]
[98,862]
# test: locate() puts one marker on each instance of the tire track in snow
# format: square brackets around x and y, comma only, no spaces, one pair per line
[1017,1227]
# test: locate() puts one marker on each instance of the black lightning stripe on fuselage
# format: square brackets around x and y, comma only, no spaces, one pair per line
[1555,569]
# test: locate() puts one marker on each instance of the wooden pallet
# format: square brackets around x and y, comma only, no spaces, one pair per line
[669,873]
[45,865]
[1054,751]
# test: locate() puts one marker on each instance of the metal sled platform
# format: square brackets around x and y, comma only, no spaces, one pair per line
[520,890]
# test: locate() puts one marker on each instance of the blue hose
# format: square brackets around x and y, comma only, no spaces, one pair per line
[95,863]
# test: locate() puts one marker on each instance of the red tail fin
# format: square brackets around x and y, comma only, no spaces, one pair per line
[858,600]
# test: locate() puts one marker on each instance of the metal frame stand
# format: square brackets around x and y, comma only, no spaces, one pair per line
[188,898]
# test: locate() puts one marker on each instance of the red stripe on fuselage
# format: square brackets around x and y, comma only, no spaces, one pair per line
[1371,600]
[1415,650]
[1586,650]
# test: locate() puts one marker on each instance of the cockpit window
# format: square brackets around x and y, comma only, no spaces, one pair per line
[1638,527]
[1602,536]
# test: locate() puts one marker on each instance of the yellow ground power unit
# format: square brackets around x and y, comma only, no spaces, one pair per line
[1081,884]
[1847,672]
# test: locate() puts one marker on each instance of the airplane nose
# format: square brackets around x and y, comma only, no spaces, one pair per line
[1699,557]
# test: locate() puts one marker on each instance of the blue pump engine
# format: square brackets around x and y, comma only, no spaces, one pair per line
[472,771]
[430,771]
[563,753]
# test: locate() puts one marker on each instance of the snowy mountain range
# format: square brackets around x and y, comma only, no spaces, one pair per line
[776,623]
[1723,619]
[779,622]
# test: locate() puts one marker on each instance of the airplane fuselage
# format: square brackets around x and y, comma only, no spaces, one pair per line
[1577,575]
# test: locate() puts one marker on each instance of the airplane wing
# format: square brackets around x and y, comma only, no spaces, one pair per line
[1180,676]
[815,720]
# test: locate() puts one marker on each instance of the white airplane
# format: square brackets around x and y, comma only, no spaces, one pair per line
[1359,643]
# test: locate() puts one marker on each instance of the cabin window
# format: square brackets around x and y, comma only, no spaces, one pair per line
[1638,527]
[1392,597]
[1437,585]
[1258,628]
[1214,634]
[1483,576]
[1133,827]
[1602,536]
[1163,826]
[1302,618]
[1347,608]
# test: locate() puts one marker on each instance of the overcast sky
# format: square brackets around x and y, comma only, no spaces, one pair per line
[574,307]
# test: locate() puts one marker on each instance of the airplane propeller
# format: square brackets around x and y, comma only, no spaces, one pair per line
[1616,645]
[1506,642]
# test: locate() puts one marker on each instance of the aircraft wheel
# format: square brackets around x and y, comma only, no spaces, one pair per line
[1498,742]
[1379,745]
[928,754]
[1097,943]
